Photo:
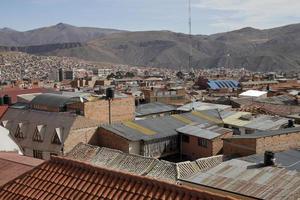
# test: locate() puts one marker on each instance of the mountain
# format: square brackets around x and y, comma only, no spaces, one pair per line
[276,49]
[59,33]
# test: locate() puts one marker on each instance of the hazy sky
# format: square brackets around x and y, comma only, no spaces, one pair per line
[208,16]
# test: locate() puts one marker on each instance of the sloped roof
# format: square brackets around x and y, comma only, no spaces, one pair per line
[268,133]
[249,179]
[161,127]
[153,108]
[12,165]
[198,105]
[53,100]
[218,84]
[69,179]
[202,131]
[289,159]
[141,165]
[30,119]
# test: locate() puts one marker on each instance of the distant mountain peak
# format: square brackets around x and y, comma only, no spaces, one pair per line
[62,25]
[6,29]
[247,29]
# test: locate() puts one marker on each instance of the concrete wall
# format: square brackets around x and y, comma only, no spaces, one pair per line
[122,109]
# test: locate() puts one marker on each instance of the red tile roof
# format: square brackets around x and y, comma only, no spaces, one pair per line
[3,109]
[61,178]
[13,165]
[15,91]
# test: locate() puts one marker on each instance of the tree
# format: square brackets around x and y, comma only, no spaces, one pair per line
[180,75]
[111,76]
[119,75]
[129,74]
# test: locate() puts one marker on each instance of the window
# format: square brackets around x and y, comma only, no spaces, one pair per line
[37,136]
[202,142]
[38,154]
[19,133]
[57,136]
[185,138]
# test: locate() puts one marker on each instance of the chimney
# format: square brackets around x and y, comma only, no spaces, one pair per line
[290,123]
[269,158]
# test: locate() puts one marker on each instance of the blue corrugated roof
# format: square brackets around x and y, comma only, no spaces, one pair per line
[218,84]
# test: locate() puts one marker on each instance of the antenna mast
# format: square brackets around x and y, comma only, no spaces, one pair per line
[190,36]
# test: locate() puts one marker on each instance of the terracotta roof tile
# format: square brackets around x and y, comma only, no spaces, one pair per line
[12,165]
[77,180]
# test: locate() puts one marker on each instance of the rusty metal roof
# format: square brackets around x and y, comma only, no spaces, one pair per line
[250,179]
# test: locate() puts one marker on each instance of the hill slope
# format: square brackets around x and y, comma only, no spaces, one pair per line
[59,33]
[276,49]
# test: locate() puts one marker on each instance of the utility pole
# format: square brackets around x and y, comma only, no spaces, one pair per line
[190,37]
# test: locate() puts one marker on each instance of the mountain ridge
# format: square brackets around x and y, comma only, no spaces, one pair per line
[276,49]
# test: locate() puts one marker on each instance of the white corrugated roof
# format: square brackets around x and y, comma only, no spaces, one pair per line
[253,93]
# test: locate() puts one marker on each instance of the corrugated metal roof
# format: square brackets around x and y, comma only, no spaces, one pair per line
[250,179]
[198,105]
[153,108]
[266,122]
[268,133]
[289,159]
[218,84]
[209,132]
[162,127]
[234,119]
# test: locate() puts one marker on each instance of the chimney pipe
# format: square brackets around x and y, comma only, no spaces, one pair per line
[269,158]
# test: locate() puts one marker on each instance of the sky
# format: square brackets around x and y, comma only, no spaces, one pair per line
[208,16]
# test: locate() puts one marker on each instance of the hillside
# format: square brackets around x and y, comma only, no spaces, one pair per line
[59,33]
[276,49]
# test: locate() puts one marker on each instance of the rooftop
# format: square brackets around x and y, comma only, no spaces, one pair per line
[149,129]
[269,133]
[199,106]
[153,108]
[289,159]
[12,165]
[249,179]
[253,93]
[219,84]
[140,165]
[52,100]
[62,178]
[202,131]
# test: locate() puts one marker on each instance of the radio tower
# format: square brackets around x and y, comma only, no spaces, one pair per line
[190,37]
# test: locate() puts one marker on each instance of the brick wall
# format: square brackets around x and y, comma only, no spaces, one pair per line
[195,151]
[108,139]
[217,144]
[122,109]
[248,146]
[278,142]
[239,147]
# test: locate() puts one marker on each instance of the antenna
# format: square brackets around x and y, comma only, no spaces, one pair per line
[190,36]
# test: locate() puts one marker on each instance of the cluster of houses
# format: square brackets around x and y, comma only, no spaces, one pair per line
[164,134]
